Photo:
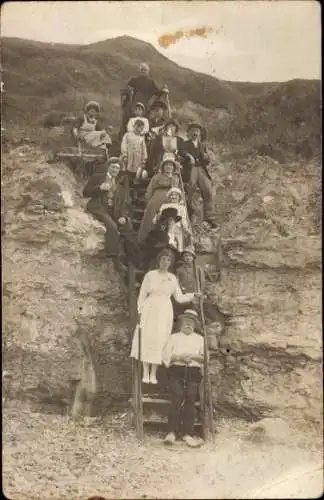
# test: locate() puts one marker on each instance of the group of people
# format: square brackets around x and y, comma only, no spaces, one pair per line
[151,149]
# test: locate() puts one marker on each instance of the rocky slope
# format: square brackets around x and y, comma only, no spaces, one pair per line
[269,288]
[61,296]
[264,293]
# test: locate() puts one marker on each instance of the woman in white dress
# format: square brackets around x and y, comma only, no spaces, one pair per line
[156,314]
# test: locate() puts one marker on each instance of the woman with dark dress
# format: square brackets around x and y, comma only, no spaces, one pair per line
[167,142]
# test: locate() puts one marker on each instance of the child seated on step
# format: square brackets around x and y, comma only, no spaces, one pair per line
[139,112]
[87,128]
[134,152]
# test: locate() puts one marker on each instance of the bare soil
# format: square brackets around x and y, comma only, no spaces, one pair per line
[47,456]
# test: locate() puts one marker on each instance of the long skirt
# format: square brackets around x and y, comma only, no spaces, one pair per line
[94,139]
[159,197]
[156,326]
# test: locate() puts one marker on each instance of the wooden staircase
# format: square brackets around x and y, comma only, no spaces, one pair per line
[149,403]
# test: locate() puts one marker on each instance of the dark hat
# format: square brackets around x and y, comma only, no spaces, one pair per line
[190,313]
[189,250]
[158,104]
[170,212]
[172,121]
[195,125]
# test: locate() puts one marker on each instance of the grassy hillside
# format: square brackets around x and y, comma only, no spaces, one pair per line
[39,77]
[268,117]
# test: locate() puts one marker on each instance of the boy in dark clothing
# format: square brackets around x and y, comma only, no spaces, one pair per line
[105,202]
[185,272]
[131,247]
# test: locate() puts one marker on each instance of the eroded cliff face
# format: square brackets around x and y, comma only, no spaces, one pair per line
[264,289]
[269,289]
[58,288]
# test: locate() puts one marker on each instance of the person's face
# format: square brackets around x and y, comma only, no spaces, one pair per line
[138,129]
[188,258]
[139,111]
[92,113]
[187,325]
[158,113]
[165,262]
[171,130]
[144,70]
[195,133]
[174,198]
[168,169]
[114,169]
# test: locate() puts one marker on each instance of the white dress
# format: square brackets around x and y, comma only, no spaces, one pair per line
[155,306]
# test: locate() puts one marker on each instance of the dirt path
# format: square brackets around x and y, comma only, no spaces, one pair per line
[51,457]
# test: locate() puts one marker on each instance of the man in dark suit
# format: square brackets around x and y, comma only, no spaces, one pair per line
[107,202]
[195,171]
[144,87]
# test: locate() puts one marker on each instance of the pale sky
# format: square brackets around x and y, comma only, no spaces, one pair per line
[251,41]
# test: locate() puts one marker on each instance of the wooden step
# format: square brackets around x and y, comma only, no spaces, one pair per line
[160,401]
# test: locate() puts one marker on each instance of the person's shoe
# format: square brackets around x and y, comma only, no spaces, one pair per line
[153,380]
[212,223]
[191,441]
[170,438]
[146,380]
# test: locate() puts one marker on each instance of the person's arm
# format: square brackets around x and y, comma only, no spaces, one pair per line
[182,298]
[144,151]
[92,188]
[199,357]
[130,125]
[150,189]
[146,126]
[76,126]
[167,353]
[123,146]
[143,293]
[202,278]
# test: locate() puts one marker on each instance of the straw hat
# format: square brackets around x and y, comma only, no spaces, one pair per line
[174,190]
[190,313]
[170,212]
[92,104]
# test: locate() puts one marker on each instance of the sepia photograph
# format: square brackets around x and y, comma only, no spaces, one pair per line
[161,234]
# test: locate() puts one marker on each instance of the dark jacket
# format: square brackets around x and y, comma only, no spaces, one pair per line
[144,88]
[156,240]
[99,199]
[132,248]
[187,277]
[156,152]
[199,154]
